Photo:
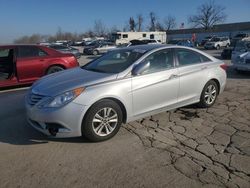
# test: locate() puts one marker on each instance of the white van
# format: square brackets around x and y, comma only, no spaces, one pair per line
[126,37]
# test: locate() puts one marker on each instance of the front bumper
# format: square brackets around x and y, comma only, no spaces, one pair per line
[69,118]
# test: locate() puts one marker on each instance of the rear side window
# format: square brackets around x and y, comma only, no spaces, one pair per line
[188,57]
[30,51]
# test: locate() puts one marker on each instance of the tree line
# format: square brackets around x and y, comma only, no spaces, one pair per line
[207,15]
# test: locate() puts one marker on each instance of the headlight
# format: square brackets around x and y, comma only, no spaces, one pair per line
[62,99]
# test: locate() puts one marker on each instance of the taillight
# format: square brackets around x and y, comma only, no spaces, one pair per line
[224,66]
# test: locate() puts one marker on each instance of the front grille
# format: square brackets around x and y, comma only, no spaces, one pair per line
[34,98]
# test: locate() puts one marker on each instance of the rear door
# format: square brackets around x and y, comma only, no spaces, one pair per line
[31,63]
[192,68]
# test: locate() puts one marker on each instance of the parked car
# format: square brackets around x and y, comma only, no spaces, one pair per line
[91,46]
[240,37]
[240,56]
[66,49]
[150,41]
[181,42]
[207,39]
[99,49]
[23,64]
[186,43]
[217,43]
[123,85]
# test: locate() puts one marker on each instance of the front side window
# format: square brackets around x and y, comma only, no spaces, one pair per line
[188,57]
[159,61]
[115,61]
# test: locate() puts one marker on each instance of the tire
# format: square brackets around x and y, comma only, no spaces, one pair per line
[54,69]
[209,94]
[96,127]
[227,46]
[217,47]
[95,52]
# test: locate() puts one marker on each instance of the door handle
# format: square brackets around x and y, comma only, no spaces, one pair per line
[172,76]
[41,59]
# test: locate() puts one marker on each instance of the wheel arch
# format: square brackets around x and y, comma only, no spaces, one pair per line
[217,83]
[119,102]
[52,65]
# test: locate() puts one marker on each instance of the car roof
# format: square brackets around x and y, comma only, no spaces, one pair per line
[146,47]
[16,45]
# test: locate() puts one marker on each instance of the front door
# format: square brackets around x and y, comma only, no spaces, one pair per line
[157,87]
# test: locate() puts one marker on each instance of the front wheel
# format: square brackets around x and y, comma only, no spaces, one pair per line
[217,47]
[102,121]
[209,94]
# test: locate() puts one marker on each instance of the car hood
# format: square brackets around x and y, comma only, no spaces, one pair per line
[61,82]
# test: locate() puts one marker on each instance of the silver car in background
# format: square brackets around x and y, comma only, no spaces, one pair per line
[122,86]
[241,56]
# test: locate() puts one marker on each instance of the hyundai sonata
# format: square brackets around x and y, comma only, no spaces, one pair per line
[121,86]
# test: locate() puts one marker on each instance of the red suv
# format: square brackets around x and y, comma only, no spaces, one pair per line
[23,64]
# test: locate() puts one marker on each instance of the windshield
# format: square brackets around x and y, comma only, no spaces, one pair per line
[215,39]
[115,61]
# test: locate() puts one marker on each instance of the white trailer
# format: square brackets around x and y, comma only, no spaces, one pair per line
[126,37]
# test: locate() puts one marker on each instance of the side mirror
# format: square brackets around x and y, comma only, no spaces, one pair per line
[140,68]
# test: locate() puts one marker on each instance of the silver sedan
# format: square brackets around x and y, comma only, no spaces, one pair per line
[122,86]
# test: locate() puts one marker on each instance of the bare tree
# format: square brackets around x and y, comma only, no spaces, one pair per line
[33,39]
[169,22]
[99,28]
[132,24]
[152,17]
[159,26]
[208,14]
[139,18]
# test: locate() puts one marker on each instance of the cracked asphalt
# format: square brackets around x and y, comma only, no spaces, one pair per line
[185,147]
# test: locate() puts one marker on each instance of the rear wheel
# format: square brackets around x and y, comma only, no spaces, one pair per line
[209,94]
[102,121]
[95,52]
[54,69]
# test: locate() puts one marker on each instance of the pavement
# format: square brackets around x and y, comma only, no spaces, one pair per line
[185,147]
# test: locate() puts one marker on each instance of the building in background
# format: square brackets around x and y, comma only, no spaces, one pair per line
[229,30]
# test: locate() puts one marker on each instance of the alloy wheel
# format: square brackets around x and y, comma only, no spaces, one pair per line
[105,121]
[210,94]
